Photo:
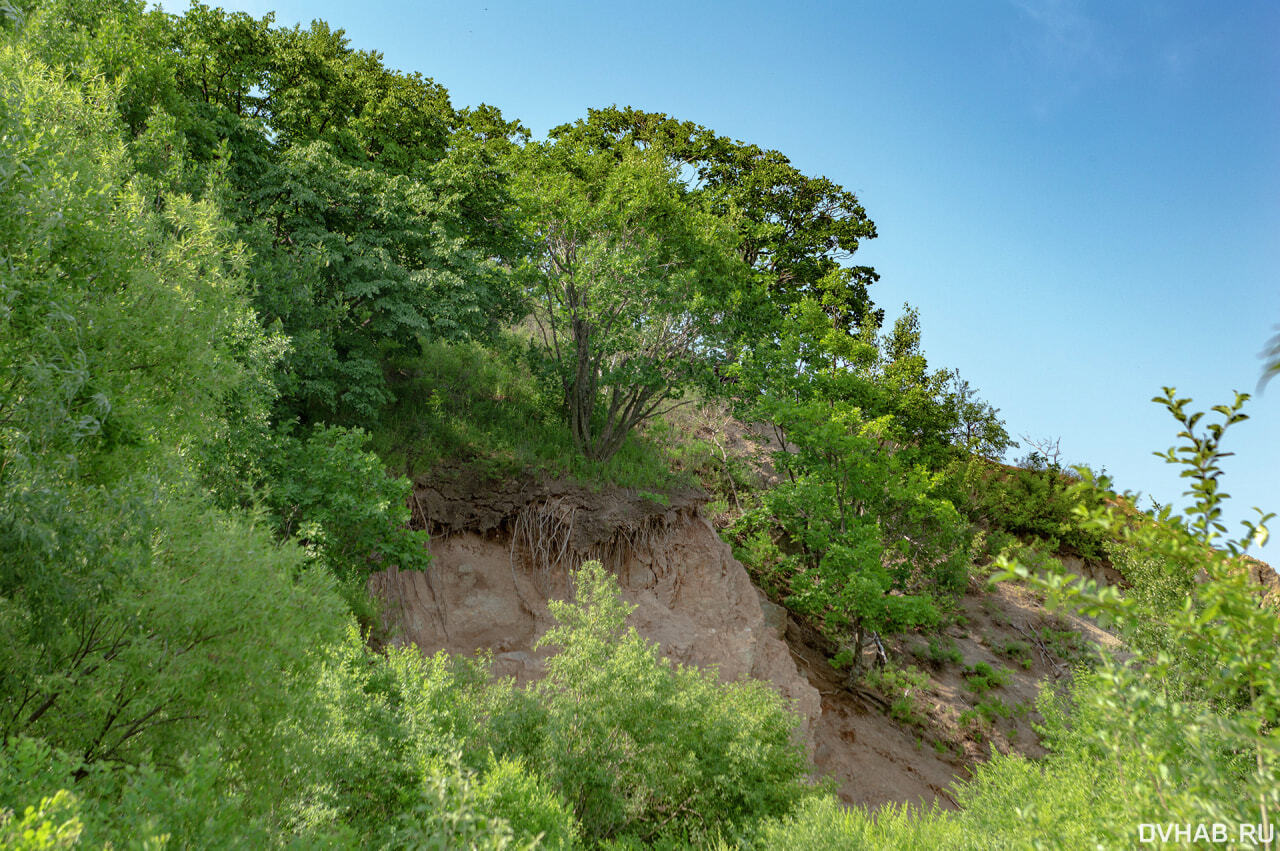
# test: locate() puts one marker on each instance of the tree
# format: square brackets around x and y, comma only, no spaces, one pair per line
[978,428]
[629,285]
[127,342]
[798,232]
[863,545]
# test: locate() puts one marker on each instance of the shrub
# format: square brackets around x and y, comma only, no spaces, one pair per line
[337,500]
[650,750]
[1015,649]
[52,824]
[942,650]
[536,814]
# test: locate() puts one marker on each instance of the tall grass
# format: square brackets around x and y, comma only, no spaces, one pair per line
[465,404]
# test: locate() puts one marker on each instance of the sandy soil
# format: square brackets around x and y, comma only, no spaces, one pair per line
[502,550]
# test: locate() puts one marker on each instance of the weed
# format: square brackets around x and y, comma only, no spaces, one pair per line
[992,707]
[484,406]
[1064,643]
[981,677]
[941,650]
[1015,649]
[902,685]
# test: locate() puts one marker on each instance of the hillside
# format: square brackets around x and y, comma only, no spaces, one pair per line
[501,549]
[376,475]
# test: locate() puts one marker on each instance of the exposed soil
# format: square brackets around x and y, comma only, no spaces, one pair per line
[448,501]
[873,759]
[503,549]
[500,555]
[877,759]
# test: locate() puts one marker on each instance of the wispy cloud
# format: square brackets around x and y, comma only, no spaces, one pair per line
[1067,49]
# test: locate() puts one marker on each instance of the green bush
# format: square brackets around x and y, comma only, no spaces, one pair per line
[536,814]
[1033,502]
[52,824]
[942,650]
[901,686]
[1015,649]
[980,678]
[481,406]
[653,751]
[338,501]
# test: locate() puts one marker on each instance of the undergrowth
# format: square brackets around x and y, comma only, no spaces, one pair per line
[464,404]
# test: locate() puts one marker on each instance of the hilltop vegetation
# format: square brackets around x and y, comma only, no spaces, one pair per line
[253,280]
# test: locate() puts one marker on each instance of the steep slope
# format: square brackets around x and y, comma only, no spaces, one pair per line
[503,549]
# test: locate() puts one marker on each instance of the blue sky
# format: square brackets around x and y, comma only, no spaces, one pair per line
[1082,199]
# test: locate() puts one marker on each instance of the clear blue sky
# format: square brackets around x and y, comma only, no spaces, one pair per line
[1081,198]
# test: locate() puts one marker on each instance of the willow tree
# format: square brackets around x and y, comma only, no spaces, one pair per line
[629,285]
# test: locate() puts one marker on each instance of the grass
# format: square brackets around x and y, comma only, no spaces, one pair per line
[941,650]
[982,678]
[482,407]
[901,685]
[1015,649]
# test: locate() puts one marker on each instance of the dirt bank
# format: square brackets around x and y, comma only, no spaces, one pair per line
[501,551]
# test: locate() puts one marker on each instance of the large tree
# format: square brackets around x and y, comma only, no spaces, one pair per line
[630,285]
[376,213]
[799,232]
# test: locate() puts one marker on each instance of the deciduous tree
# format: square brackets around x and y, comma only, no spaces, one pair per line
[630,285]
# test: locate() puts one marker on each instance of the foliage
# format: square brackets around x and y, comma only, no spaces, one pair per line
[901,685]
[374,211]
[107,299]
[864,547]
[1204,686]
[400,748]
[337,500]
[96,283]
[627,283]
[1271,361]
[230,248]
[463,405]
[371,268]
[825,823]
[1035,502]
[53,824]
[978,429]
[511,791]
[1015,649]
[795,231]
[654,751]
[990,708]
[980,677]
[942,650]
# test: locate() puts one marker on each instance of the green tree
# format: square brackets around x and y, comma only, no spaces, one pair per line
[978,429]
[796,231]
[628,283]
[135,618]
[863,547]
